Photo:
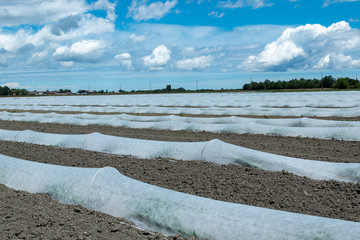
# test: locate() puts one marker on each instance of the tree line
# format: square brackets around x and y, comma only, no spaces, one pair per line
[6,91]
[325,82]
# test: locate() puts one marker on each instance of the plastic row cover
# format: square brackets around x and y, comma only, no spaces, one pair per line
[106,190]
[213,110]
[257,99]
[69,118]
[305,127]
[213,151]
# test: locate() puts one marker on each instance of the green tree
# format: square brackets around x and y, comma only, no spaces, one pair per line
[341,83]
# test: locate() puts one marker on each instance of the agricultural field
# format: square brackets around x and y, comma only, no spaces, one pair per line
[181,166]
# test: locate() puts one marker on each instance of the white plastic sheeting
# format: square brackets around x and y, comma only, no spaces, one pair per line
[304,127]
[322,104]
[255,111]
[256,99]
[106,190]
[213,151]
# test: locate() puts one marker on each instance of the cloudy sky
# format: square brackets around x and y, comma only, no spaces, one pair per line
[132,44]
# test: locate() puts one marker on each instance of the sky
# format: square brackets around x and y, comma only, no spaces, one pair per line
[143,44]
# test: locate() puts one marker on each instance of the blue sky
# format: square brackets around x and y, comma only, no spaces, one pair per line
[105,44]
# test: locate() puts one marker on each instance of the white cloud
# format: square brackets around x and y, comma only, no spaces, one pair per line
[328,2]
[38,56]
[12,85]
[83,51]
[337,61]
[188,51]
[307,47]
[16,12]
[125,60]
[137,38]
[12,42]
[196,63]
[67,64]
[123,56]
[216,14]
[353,20]
[108,6]
[140,11]
[158,58]
[65,29]
[244,3]
[87,24]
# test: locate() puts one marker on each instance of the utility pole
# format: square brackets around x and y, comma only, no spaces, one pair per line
[150,86]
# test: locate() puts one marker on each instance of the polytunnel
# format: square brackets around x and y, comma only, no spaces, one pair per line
[304,127]
[214,151]
[151,207]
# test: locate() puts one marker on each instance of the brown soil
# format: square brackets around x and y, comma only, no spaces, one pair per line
[37,216]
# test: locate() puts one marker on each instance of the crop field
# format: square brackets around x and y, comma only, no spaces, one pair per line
[174,166]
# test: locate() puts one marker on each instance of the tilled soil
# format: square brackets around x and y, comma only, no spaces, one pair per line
[232,183]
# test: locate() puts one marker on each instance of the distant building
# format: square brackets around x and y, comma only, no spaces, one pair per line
[37,93]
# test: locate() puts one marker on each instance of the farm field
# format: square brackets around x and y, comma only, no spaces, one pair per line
[280,190]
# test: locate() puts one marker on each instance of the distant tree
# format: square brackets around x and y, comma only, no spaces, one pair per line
[341,83]
[328,81]
[168,88]
[4,91]
[180,89]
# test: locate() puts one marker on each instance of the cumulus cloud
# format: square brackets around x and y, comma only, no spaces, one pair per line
[12,85]
[16,12]
[65,25]
[69,28]
[12,42]
[158,58]
[142,11]
[308,47]
[196,63]
[108,6]
[83,51]
[337,61]
[244,3]
[125,60]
